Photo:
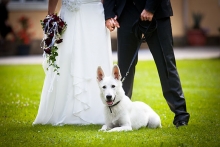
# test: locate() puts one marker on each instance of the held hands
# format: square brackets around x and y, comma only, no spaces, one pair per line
[111,23]
[146,15]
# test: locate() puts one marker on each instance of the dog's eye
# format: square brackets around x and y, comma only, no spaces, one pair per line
[104,87]
[113,86]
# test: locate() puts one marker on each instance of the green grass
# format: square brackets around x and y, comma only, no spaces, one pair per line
[20,89]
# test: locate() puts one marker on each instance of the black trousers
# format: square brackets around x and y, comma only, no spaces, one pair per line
[160,43]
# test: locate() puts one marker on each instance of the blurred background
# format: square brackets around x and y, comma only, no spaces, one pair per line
[195,23]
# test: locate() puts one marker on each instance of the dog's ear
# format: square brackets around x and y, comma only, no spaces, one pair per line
[100,73]
[116,72]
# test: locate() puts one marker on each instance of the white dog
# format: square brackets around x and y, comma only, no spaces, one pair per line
[121,114]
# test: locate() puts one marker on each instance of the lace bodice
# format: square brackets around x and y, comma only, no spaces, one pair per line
[74,5]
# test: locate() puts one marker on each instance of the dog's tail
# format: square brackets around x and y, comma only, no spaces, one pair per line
[154,122]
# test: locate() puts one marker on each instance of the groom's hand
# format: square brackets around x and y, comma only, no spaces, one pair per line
[146,15]
[116,22]
[110,24]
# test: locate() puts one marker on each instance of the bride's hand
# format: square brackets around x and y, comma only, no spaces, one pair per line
[109,23]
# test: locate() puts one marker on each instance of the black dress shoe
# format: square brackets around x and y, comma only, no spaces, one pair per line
[181,123]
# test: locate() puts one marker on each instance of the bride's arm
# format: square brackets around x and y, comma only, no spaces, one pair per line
[52,6]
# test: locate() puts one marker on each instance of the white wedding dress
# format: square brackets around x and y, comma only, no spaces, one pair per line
[73,97]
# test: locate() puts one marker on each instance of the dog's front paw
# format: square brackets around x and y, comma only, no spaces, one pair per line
[120,129]
[115,130]
[104,128]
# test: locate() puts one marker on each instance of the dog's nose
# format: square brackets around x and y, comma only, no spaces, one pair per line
[109,97]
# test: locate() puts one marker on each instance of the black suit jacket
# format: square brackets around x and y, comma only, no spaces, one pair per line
[160,8]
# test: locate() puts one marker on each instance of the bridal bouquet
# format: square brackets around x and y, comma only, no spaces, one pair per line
[53,27]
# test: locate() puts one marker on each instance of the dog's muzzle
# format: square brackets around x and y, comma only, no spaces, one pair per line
[109,100]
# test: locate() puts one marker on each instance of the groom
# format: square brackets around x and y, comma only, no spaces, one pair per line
[122,14]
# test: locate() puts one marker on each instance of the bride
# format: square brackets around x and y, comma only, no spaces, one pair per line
[73,97]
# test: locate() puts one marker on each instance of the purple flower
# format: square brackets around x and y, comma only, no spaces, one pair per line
[45,21]
[59,41]
[47,50]
[48,41]
[51,35]
[61,24]
[56,18]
